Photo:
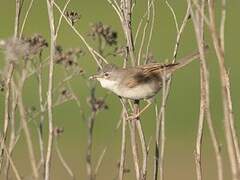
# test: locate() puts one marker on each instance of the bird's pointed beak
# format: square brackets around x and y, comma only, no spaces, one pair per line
[93,77]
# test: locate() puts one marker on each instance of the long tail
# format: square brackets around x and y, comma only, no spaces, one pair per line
[184,61]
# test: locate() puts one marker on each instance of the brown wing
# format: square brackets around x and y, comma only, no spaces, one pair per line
[145,73]
[156,67]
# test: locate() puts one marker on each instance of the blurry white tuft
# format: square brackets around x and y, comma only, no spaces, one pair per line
[15,49]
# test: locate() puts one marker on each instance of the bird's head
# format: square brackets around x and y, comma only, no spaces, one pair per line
[108,76]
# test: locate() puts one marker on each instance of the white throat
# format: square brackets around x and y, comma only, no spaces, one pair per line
[108,84]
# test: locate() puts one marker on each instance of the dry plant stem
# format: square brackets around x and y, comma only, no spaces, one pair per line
[160,116]
[18,177]
[151,28]
[89,146]
[13,128]
[199,28]
[60,19]
[42,110]
[144,150]
[50,89]
[230,133]
[9,77]
[64,163]
[25,18]
[198,22]
[6,111]
[116,8]
[24,123]
[126,6]
[99,162]
[17,18]
[162,129]
[132,127]
[144,33]
[157,145]
[234,134]
[123,144]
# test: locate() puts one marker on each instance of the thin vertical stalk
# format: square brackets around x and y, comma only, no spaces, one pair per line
[50,89]
[123,145]
[160,122]
[126,7]
[42,110]
[8,80]
[230,133]
[89,146]
[144,150]
[132,127]
[198,21]
[24,122]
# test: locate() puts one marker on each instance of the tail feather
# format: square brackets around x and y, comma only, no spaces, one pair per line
[184,61]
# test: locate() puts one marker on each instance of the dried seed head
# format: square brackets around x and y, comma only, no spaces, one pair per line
[68,58]
[15,49]
[72,16]
[97,104]
[36,44]
[105,32]
[24,48]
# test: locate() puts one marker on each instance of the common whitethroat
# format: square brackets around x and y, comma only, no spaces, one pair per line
[140,82]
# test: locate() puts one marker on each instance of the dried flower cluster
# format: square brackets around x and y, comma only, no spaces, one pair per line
[24,48]
[103,31]
[97,104]
[69,57]
[72,16]
[36,44]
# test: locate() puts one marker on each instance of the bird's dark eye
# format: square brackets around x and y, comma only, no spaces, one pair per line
[106,74]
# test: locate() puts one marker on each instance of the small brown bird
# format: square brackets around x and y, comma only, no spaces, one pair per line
[140,82]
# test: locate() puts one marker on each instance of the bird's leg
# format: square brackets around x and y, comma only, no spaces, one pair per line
[138,113]
[123,104]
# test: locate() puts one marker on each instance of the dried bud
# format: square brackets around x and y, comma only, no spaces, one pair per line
[2,85]
[121,51]
[97,104]
[72,16]
[57,131]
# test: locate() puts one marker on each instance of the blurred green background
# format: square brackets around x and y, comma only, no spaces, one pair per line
[183,103]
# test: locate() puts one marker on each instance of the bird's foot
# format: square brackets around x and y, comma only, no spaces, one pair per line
[133,116]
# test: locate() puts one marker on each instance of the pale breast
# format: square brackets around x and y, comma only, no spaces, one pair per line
[143,91]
